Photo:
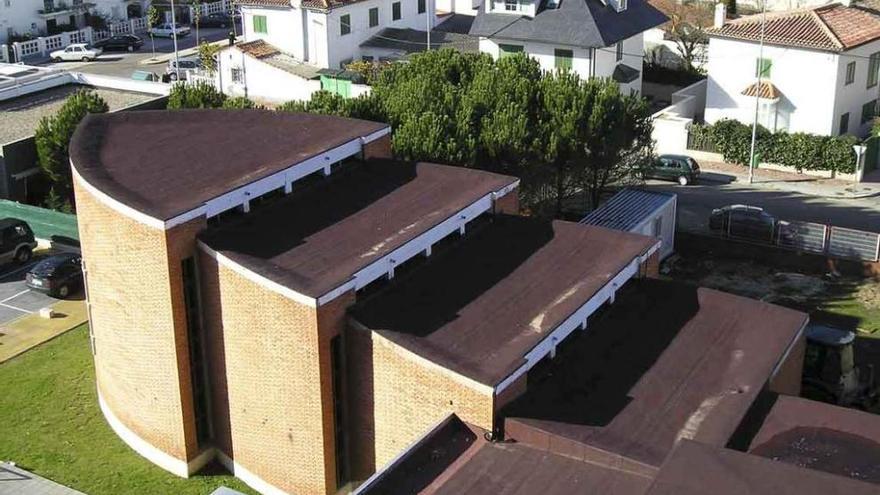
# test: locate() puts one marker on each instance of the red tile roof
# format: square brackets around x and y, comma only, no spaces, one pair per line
[258,49]
[264,3]
[765,90]
[832,27]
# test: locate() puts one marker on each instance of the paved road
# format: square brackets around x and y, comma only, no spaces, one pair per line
[123,64]
[697,201]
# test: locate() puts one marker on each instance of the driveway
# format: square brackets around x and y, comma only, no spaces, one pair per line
[123,64]
[695,203]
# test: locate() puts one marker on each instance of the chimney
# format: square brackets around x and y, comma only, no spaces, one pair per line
[720,14]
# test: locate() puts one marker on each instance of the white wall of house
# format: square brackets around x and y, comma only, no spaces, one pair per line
[260,81]
[851,97]
[316,37]
[606,58]
[20,16]
[544,53]
[807,80]
[466,7]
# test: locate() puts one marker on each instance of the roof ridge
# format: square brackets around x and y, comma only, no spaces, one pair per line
[825,27]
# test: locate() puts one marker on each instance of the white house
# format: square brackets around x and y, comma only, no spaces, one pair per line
[328,33]
[42,17]
[591,37]
[819,69]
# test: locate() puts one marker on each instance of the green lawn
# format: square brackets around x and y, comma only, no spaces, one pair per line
[50,424]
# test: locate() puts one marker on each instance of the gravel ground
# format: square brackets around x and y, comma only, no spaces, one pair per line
[20,116]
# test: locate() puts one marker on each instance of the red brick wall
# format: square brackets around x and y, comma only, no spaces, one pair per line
[140,346]
[268,381]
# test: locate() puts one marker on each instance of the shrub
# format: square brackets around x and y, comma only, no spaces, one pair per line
[240,103]
[799,150]
[199,95]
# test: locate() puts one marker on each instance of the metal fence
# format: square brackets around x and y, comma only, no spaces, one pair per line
[817,238]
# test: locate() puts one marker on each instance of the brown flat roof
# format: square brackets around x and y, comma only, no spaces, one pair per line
[455,460]
[698,469]
[165,163]
[317,238]
[666,362]
[479,307]
[821,436]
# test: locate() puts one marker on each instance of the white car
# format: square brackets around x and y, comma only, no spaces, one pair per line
[168,30]
[76,51]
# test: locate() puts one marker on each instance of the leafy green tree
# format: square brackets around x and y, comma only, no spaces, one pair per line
[207,56]
[198,95]
[53,134]
[560,134]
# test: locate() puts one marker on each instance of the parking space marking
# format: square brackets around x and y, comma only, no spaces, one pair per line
[14,296]
[17,309]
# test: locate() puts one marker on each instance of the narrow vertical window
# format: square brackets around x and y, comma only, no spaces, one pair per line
[619,53]
[850,73]
[395,11]
[260,25]
[422,6]
[762,68]
[337,360]
[197,366]
[374,17]
[345,25]
[873,68]
[844,123]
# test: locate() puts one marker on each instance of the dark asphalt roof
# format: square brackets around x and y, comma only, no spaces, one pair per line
[411,41]
[627,209]
[455,460]
[582,23]
[821,436]
[164,163]
[666,361]
[318,237]
[479,307]
[624,74]
[698,469]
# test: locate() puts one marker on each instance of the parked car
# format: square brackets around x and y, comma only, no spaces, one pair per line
[169,30]
[76,51]
[744,221]
[145,75]
[680,168]
[59,275]
[217,20]
[124,42]
[186,64]
[17,242]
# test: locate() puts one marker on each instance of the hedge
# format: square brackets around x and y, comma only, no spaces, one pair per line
[798,150]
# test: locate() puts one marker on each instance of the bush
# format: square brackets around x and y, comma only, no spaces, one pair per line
[53,134]
[240,103]
[799,150]
[199,95]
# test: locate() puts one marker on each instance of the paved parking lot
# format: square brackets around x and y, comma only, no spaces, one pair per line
[16,299]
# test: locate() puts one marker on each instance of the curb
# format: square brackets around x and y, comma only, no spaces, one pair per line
[835,195]
[182,53]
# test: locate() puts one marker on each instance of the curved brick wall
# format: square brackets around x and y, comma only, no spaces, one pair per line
[141,354]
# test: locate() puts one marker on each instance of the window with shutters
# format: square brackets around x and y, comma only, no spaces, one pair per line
[563,58]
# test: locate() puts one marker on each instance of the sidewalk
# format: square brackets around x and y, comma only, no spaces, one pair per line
[785,181]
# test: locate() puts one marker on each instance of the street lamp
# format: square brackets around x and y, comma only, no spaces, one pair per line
[758,67]
[174,37]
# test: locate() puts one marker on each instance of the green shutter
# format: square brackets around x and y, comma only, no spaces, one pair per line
[345,25]
[563,58]
[873,68]
[507,50]
[395,11]
[260,25]
[374,17]
[422,7]
[762,68]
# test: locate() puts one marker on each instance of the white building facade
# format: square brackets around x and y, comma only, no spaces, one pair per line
[571,35]
[328,34]
[826,86]
[46,17]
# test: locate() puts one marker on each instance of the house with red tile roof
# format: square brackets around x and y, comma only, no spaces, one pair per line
[819,69]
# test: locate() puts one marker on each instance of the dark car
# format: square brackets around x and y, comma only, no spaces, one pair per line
[124,42]
[680,168]
[744,221]
[59,275]
[217,19]
[17,242]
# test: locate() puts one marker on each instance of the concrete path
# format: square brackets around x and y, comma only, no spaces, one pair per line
[17,481]
[789,182]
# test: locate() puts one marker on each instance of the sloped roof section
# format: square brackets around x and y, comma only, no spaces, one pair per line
[264,3]
[833,27]
[583,23]
[764,89]
[627,209]
[258,49]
